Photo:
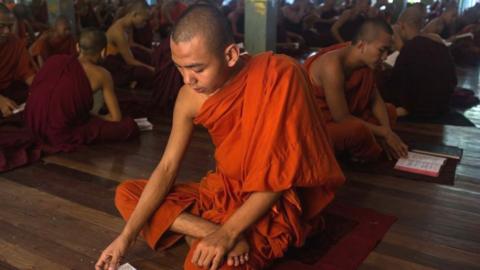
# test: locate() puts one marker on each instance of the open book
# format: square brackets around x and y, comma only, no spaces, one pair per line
[421,164]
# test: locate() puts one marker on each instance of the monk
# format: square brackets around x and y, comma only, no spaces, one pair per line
[237,21]
[424,77]
[121,61]
[358,120]
[347,25]
[275,171]
[58,40]
[444,24]
[16,71]
[61,98]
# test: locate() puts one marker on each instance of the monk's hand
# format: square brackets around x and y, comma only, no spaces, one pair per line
[7,106]
[398,148]
[113,254]
[211,250]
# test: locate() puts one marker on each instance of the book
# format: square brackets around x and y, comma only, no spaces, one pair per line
[421,164]
[437,150]
[143,124]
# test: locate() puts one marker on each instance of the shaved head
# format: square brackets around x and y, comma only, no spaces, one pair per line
[413,17]
[206,21]
[370,30]
[92,41]
[136,6]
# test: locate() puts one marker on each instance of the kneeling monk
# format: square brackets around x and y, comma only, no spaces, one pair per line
[16,71]
[344,83]
[276,170]
[61,97]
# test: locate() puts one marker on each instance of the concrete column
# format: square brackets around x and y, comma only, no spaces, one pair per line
[61,7]
[260,25]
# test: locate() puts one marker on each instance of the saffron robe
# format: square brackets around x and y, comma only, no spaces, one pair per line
[58,108]
[423,79]
[353,136]
[46,47]
[15,68]
[268,136]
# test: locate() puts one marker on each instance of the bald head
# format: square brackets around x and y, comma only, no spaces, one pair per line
[92,41]
[137,6]
[371,29]
[6,22]
[413,17]
[206,21]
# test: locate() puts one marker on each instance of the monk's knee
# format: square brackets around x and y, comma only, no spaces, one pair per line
[128,192]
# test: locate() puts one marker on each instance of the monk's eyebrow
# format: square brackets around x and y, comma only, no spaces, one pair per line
[194,65]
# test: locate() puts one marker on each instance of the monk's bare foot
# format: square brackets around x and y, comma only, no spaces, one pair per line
[189,240]
[239,254]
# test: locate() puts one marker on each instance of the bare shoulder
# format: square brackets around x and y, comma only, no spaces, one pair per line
[189,102]
[328,64]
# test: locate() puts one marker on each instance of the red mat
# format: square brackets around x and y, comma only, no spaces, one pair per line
[350,235]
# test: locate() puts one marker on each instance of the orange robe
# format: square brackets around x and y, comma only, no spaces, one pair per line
[15,66]
[268,136]
[353,136]
[46,47]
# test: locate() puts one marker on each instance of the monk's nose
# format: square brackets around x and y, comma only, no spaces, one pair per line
[189,79]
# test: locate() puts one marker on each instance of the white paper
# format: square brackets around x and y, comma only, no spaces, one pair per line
[392,58]
[126,266]
[143,124]
[20,108]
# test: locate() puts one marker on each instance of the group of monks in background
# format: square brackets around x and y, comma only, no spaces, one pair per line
[341,100]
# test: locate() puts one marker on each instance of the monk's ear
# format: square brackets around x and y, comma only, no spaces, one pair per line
[360,45]
[232,54]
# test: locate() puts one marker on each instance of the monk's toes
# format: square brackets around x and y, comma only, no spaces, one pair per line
[237,261]
[230,261]
[242,259]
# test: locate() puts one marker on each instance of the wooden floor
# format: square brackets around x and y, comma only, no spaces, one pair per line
[59,213]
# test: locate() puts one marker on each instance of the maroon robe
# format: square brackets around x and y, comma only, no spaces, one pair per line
[58,108]
[167,81]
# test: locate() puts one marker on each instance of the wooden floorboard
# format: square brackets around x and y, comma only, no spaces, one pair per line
[59,213]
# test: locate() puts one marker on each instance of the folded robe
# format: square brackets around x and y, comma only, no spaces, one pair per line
[353,136]
[269,136]
[58,108]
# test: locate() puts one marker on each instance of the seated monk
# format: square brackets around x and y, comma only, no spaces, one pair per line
[121,61]
[16,70]
[61,98]
[58,40]
[423,78]
[443,25]
[347,25]
[358,120]
[276,170]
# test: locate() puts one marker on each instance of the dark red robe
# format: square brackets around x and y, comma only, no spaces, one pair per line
[58,108]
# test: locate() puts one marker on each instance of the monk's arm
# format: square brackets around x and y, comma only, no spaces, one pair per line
[163,176]
[332,80]
[338,24]
[124,49]
[114,113]
[380,111]
[255,207]
[29,80]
